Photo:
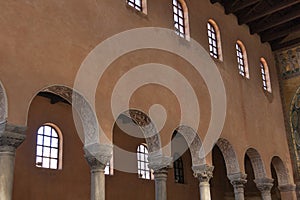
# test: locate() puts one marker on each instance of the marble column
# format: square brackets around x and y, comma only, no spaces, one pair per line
[204,173]
[11,137]
[288,192]
[264,185]
[238,180]
[97,156]
[160,165]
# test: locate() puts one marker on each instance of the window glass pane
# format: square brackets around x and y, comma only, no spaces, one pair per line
[38,161]
[46,162]
[46,152]
[53,164]
[47,141]
[39,151]
[54,142]
[41,130]
[39,139]
[54,134]
[54,153]
[47,130]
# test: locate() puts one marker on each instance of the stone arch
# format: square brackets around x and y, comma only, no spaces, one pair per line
[281,171]
[257,163]
[194,143]
[84,110]
[231,161]
[148,128]
[3,104]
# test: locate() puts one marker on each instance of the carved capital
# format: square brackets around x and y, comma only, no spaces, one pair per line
[157,162]
[161,174]
[287,188]
[98,155]
[203,172]
[11,136]
[264,184]
[238,180]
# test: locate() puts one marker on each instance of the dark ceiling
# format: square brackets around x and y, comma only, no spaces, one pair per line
[276,21]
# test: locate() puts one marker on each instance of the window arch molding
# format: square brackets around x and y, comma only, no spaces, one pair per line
[242,59]
[186,26]
[41,145]
[265,74]
[218,54]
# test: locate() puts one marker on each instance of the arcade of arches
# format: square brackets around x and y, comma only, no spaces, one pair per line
[56,144]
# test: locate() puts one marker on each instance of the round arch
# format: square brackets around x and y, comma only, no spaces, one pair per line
[257,163]
[87,116]
[194,144]
[281,171]
[3,104]
[231,161]
[148,129]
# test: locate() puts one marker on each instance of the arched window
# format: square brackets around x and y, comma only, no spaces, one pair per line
[178,169]
[137,4]
[142,160]
[242,59]
[265,75]
[49,147]
[180,16]
[214,39]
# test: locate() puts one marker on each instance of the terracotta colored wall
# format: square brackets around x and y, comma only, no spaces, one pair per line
[32,183]
[44,42]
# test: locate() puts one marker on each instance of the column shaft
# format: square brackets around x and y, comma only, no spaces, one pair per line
[7,162]
[97,184]
[160,177]
[238,192]
[97,156]
[204,191]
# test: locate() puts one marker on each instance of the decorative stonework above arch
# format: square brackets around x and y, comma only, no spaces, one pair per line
[231,161]
[151,135]
[3,104]
[281,171]
[257,163]
[82,107]
[194,143]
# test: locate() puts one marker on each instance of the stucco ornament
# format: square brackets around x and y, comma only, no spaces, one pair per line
[83,109]
[231,162]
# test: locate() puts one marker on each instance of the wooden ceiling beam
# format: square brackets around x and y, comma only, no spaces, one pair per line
[273,34]
[240,6]
[277,46]
[276,22]
[271,10]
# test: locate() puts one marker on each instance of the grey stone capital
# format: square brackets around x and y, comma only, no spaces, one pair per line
[203,172]
[157,162]
[98,155]
[287,188]
[238,180]
[264,184]
[11,137]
